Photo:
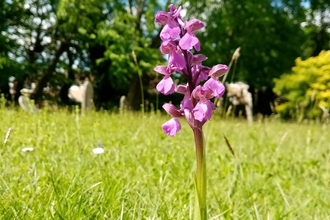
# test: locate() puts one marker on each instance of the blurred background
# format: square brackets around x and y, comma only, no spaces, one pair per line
[284,45]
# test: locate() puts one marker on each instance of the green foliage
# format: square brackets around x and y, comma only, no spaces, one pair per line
[9,68]
[151,10]
[269,38]
[120,47]
[80,15]
[11,13]
[307,87]
[317,28]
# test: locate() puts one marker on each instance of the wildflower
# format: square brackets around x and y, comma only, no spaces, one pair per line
[189,40]
[177,45]
[27,149]
[178,39]
[99,149]
[171,127]
[166,85]
[176,60]
[172,27]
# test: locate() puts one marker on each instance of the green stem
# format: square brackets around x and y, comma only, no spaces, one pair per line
[200,174]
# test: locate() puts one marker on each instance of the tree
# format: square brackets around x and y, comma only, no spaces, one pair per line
[317,27]
[11,13]
[269,38]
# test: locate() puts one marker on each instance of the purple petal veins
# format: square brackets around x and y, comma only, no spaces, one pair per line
[200,72]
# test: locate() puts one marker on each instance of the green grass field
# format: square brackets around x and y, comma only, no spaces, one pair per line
[281,170]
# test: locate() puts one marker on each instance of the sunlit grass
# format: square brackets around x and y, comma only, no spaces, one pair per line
[281,171]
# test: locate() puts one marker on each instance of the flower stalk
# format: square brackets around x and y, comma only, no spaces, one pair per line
[200,175]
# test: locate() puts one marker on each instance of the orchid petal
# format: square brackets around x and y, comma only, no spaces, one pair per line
[218,70]
[177,60]
[168,47]
[170,31]
[171,127]
[198,59]
[162,17]
[181,89]
[188,41]
[172,110]
[217,87]
[189,117]
[166,85]
[194,25]
[186,102]
[202,93]
[203,111]
[162,70]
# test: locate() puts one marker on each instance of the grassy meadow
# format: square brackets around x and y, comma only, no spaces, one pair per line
[280,171]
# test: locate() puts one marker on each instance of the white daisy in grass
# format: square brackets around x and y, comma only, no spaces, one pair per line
[27,149]
[99,149]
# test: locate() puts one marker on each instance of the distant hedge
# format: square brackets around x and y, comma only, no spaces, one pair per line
[307,88]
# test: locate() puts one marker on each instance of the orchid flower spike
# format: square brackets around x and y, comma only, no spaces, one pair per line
[178,41]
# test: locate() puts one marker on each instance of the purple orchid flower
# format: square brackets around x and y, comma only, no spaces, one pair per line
[171,127]
[178,39]
[166,85]
[175,55]
[189,40]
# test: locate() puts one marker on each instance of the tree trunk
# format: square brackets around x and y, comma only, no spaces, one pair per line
[48,74]
[133,97]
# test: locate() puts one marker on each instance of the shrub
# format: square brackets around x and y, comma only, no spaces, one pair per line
[307,88]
